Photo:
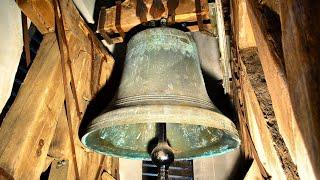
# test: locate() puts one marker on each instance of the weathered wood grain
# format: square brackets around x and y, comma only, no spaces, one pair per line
[245,37]
[275,76]
[40,12]
[301,47]
[292,78]
[28,128]
[260,134]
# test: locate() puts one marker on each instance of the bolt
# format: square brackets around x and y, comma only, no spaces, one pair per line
[152,23]
[163,22]
[41,142]
[61,163]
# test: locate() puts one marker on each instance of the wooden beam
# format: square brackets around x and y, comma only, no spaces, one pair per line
[60,144]
[294,82]
[87,55]
[259,132]
[300,41]
[275,75]
[185,12]
[245,37]
[253,172]
[111,166]
[40,12]
[29,126]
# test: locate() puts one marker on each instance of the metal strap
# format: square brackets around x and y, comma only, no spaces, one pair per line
[26,39]
[61,37]
[198,5]
[92,87]
[172,6]
[61,29]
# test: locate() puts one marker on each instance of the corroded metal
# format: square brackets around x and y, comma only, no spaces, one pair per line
[161,83]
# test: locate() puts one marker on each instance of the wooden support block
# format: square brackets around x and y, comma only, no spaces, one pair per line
[40,12]
[185,12]
[301,48]
[28,128]
[48,163]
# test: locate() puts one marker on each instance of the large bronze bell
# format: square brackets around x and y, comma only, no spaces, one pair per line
[161,83]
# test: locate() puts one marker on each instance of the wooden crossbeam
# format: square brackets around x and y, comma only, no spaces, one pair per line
[184,13]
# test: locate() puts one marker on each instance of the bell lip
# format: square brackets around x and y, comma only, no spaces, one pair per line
[112,118]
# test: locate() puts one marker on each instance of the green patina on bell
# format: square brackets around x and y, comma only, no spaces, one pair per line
[161,83]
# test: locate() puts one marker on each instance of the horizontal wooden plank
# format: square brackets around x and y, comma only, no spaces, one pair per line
[185,12]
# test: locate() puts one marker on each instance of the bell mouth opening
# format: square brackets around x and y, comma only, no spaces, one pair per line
[131,132]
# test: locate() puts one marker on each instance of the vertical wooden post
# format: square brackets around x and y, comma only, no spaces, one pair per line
[300,26]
